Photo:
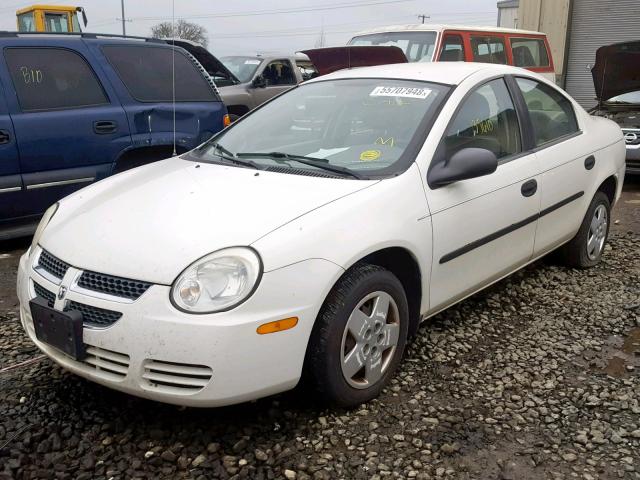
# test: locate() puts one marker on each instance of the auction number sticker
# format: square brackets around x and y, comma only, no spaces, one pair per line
[406,92]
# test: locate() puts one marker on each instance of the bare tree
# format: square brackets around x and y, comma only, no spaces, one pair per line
[183,29]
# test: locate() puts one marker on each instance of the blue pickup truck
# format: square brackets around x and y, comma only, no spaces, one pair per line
[76,108]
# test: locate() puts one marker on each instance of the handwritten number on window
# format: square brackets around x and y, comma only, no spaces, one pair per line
[31,76]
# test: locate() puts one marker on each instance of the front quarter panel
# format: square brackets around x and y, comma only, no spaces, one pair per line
[390,213]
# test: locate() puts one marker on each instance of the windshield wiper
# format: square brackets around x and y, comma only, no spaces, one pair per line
[229,156]
[321,163]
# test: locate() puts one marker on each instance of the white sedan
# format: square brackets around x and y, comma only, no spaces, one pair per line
[314,235]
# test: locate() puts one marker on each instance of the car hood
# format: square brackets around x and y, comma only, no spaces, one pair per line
[617,70]
[152,222]
[330,59]
[211,64]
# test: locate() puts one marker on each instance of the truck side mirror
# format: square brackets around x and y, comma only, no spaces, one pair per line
[259,82]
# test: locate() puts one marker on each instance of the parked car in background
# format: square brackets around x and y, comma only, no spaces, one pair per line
[460,43]
[259,78]
[76,108]
[616,78]
[271,251]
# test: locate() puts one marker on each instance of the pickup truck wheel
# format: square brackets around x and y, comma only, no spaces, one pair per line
[585,249]
[359,337]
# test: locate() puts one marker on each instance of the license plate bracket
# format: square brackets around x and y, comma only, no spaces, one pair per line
[61,330]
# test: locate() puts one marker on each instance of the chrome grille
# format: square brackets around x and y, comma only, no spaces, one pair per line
[52,265]
[44,293]
[117,286]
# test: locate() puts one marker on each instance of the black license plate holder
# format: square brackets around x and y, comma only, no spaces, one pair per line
[61,330]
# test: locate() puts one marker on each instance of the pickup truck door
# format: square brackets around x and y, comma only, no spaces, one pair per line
[279,76]
[10,179]
[69,125]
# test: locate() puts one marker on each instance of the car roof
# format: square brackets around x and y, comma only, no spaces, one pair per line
[79,36]
[440,27]
[448,73]
[289,56]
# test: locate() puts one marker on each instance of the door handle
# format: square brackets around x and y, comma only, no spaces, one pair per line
[4,137]
[104,126]
[589,162]
[529,188]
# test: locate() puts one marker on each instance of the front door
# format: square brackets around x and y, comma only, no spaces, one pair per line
[11,206]
[69,130]
[483,228]
[279,77]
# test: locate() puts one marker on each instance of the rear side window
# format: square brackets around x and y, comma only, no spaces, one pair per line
[551,112]
[487,119]
[147,73]
[488,49]
[452,49]
[52,79]
[529,52]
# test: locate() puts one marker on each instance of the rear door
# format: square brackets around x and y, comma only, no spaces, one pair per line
[69,124]
[144,77]
[10,180]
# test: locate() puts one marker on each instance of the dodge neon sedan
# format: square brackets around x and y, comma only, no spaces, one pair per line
[314,235]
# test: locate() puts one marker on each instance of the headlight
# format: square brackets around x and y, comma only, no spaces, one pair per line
[46,218]
[217,282]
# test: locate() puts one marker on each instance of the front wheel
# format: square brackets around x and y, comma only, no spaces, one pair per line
[359,337]
[585,249]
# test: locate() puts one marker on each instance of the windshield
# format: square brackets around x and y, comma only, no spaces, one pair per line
[417,46]
[630,97]
[242,67]
[356,126]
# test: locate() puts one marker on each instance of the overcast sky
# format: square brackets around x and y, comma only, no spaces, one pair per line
[253,26]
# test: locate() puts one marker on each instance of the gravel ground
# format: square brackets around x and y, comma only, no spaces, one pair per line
[537,377]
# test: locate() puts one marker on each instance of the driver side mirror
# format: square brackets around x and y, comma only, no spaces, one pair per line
[463,165]
[259,82]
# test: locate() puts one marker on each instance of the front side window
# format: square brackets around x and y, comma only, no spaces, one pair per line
[417,46]
[529,52]
[307,70]
[279,73]
[52,78]
[551,112]
[487,119]
[363,125]
[26,22]
[452,49]
[56,22]
[146,71]
[488,49]
[242,67]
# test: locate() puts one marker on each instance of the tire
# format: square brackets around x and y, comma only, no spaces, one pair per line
[579,252]
[335,337]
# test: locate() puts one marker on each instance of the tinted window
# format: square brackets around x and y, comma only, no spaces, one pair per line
[452,49]
[417,46]
[488,49]
[279,73]
[146,72]
[52,78]
[551,112]
[487,119]
[529,52]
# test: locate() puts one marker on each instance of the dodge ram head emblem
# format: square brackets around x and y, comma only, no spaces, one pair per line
[62,292]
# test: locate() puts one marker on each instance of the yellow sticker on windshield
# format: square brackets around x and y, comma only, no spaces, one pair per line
[369,155]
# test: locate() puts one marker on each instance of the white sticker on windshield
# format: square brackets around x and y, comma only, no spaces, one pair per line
[406,92]
[252,62]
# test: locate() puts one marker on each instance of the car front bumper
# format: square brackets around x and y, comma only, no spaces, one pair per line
[157,352]
[633,159]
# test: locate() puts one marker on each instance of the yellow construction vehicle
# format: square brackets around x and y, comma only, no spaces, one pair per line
[50,18]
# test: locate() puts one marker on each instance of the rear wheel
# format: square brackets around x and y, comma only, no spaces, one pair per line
[585,249]
[359,336]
